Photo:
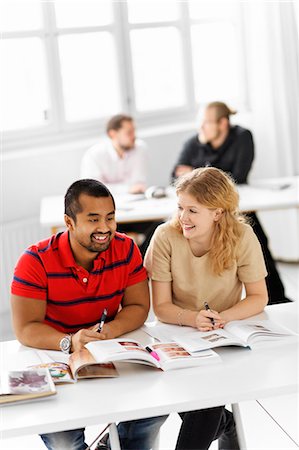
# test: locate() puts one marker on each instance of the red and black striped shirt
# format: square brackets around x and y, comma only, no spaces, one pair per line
[76,298]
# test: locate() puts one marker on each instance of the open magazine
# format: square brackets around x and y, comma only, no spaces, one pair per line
[244,333]
[62,367]
[165,356]
[23,385]
[70,368]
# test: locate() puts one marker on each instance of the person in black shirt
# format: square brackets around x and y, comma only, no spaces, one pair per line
[230,148]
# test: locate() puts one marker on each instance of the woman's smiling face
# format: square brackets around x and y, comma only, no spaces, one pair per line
[197,221]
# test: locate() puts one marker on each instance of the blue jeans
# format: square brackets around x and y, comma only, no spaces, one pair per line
[134,435]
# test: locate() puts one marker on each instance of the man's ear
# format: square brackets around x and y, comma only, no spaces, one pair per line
[111,134]
[69,222]
[224,123]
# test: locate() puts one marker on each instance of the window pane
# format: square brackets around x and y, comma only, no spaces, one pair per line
[157,68]
[140,11]
[83,13]
[16,16]
[89,74]
[23,83]
[215,62]
[212,9]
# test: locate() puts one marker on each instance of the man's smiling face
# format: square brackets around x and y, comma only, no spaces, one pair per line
[95,225]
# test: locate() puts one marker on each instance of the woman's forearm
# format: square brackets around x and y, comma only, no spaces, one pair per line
[171,313]
[249,306]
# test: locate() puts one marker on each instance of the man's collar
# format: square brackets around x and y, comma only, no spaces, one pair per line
[114,152]
[66,254]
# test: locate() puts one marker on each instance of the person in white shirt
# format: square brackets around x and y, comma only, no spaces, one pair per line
[119,160]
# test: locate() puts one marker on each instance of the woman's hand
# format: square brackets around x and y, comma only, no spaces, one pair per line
[203,320]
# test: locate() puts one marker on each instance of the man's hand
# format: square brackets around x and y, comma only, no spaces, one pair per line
[182,169]
[84,336]
[137,188]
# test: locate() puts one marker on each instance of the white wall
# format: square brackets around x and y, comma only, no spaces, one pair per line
[27,176]
[30,175]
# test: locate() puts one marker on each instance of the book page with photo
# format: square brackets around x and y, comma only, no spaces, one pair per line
[23,385]
[244,333]
[164,356]
[71,368]
[63,368]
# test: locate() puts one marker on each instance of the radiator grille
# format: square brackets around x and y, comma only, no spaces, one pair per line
[15,238]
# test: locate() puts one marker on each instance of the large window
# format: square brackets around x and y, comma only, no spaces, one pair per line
[68,65]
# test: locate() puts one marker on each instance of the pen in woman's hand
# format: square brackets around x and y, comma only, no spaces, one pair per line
[207,308]
[102,320]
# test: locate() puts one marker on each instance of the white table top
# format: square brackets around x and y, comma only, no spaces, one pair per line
[271,194]
[141,391]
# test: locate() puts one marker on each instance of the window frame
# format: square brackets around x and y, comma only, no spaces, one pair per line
[59,130]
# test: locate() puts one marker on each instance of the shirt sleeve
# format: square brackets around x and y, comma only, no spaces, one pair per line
[250,259]
[243,157]
[158,256]
[90,167]
[30,279]
[138,167]
[185,157]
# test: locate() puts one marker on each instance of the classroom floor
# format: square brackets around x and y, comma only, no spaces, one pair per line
[277,417]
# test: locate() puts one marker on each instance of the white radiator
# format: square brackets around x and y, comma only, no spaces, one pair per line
[15,238]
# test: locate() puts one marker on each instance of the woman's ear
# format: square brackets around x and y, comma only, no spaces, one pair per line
[218,214]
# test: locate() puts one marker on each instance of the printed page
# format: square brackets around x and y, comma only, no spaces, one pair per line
[21,384]
[20,360]
[165,332]
[57,363]
[201,340]
[174,356]
[83,365]
[190,338]
[120,350]
[254,331]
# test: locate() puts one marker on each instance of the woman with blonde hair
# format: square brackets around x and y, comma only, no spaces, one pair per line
[206,253]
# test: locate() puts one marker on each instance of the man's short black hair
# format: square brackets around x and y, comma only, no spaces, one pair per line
[90,187]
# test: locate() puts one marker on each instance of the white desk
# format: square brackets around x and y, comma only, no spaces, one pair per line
[260,196]
[143,392]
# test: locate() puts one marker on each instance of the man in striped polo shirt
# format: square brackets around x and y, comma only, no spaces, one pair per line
[62,285]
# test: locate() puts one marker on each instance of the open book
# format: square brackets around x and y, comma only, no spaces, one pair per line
[70,368]
[245,333]
[23,385]
[62,367]
[165,356]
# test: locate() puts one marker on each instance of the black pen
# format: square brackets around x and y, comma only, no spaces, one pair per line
[207,308]
[102,320]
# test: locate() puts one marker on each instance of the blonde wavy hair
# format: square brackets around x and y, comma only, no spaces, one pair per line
[213,189]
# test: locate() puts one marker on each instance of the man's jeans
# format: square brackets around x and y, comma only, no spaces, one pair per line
[134,435]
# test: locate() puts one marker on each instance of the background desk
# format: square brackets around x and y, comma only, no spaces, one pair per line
[143,392]
[263,195]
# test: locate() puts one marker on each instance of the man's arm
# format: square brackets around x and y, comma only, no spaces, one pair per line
[135,308]
[244,157]
[28,315]
[181,170]
[137,176]
[184,162]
